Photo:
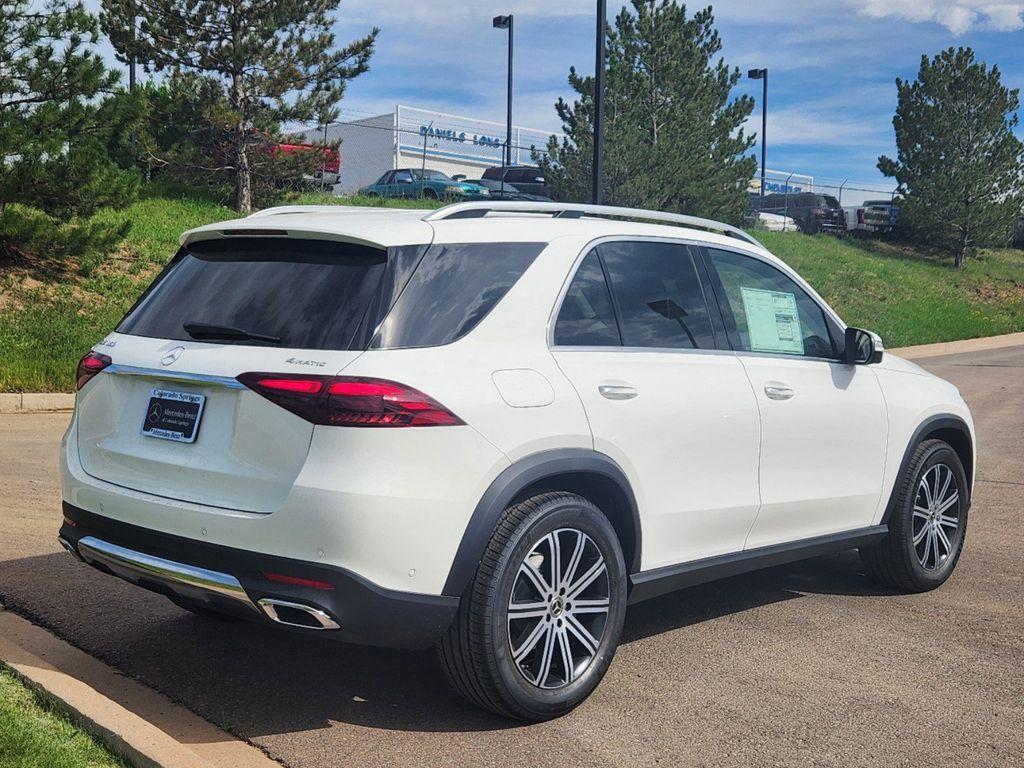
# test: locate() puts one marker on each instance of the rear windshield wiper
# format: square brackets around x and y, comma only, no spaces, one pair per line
[200,331]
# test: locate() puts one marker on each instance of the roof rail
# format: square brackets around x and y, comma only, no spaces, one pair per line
[340,209]
[473,210]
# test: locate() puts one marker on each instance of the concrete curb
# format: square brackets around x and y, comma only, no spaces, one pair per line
[142,726]
[35,402]
[965,345]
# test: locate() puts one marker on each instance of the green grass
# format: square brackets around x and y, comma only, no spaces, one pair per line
[906,295]
[34,736]
[50,316]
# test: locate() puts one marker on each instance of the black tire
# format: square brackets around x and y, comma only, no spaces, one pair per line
[896,560]
[202,610]
[476,652]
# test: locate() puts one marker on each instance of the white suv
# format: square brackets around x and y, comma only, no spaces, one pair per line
[492,427]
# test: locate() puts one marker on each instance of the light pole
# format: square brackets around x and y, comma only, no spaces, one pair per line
[762,75]
[597,193]
[506,22]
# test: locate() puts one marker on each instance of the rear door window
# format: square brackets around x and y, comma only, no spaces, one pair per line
[658,298]
[307,294]
[453,288]
[586,318]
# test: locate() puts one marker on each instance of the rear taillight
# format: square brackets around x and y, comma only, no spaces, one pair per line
[348,401]
[860,215]
[89,366]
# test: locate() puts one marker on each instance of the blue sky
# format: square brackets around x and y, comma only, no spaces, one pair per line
[832,64]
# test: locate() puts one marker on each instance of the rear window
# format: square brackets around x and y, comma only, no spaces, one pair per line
[309,294]
[453,288]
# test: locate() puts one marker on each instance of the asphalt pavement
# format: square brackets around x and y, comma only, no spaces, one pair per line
[808,664]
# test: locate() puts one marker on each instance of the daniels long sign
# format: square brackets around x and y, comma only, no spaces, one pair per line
[450,134]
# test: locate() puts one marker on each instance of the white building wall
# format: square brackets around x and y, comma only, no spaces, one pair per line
[414,138]
[367,150]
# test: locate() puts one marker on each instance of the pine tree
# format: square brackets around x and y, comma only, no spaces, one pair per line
[673,138]
[187,140]
[959,166]
[264,63]
[65,148]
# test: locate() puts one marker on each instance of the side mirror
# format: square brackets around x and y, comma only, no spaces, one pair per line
[863,347]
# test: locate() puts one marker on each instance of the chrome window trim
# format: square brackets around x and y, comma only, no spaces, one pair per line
[643,350]
[162,373]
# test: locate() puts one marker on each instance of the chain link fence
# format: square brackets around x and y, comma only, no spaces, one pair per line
[462,147]
[800,202]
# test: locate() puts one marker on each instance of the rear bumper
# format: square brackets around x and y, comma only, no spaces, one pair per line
[232,580]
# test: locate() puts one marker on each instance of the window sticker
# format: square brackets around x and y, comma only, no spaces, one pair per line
[773,323]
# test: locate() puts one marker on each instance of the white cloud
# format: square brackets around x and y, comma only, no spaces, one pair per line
[958,16]
[818,127]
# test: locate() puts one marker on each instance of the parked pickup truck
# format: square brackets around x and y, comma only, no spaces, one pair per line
[872,216]
[814,212]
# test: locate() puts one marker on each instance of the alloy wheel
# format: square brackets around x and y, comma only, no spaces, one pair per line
[558,608]
[936,520]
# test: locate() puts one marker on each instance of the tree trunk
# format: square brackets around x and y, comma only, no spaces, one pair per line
[961,251]
[243,174]
[243,177]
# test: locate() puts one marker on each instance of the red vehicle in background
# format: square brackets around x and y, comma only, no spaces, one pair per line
[327,168]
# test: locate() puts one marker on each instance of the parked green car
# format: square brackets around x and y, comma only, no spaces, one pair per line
[423,182]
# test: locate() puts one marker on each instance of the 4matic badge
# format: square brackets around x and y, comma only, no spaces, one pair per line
[312,363]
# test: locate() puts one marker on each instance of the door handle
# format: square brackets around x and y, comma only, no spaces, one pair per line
[617,391]
[777,391]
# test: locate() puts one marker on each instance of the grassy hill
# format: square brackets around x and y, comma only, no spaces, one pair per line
[52,314]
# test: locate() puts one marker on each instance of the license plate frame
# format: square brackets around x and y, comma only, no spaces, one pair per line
[173,415]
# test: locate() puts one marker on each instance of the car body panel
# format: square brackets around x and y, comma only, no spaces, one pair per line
[688,440]
[822,450]
[345,508]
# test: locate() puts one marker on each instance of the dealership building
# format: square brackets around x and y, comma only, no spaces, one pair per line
[411,137]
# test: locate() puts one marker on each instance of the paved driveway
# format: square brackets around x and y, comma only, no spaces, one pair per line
[804,664]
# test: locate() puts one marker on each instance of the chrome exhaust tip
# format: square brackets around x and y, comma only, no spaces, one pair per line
[296,614]
[70,549]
